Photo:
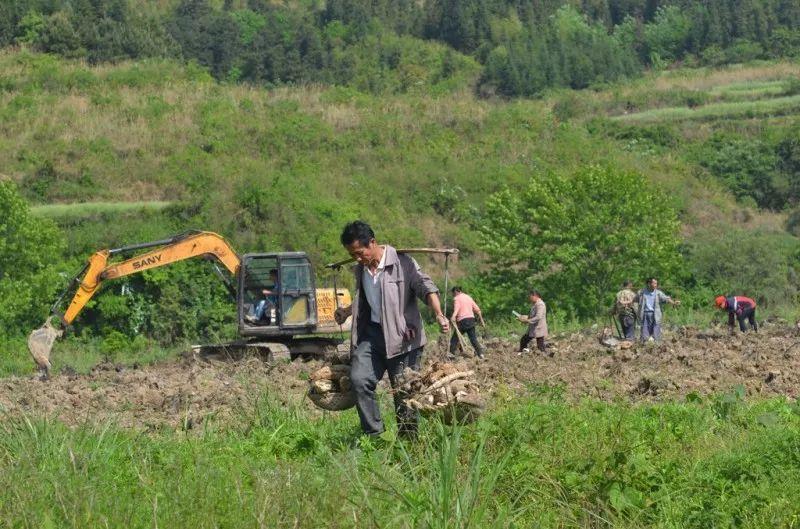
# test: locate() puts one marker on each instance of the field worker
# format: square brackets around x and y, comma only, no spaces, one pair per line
[650,299]
[537,324]
[464,311]
[739,307]
[387,331]
[625,310]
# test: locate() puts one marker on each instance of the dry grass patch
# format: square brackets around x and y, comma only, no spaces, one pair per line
[341,117]
[455,109]
[704,79]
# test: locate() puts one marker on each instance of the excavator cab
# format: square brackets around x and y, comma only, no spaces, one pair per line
[276,294]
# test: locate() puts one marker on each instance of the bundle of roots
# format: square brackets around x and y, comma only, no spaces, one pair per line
[449,389]
[330,388]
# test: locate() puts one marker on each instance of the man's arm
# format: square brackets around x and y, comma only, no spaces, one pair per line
[535,317]
[432,300]
[663,298]
[425,289]
[477,310]
[421,283]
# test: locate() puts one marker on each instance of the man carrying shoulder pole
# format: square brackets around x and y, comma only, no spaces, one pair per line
[387,331]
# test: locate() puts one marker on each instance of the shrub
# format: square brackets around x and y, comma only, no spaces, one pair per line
[29,247]
[577,237]
[733,260]
[748,167]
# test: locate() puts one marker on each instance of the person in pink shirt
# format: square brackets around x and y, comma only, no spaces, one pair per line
[464,311]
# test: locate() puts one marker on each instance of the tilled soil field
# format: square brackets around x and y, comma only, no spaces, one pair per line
[187,392]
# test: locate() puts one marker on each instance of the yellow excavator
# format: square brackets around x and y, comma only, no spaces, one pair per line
[280,311]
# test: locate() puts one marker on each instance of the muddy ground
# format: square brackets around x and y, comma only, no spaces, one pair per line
[187,392]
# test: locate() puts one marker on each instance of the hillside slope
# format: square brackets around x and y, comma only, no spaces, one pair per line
[284,169]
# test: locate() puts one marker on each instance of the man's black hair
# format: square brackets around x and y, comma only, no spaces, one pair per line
[534,292]
[456,289]
[627,283]
[358,230]
[652,278]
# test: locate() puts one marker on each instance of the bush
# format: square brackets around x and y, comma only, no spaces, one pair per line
[667,35]
[748,167]
[733,260]
[29,264]
[576,238]
[784,42]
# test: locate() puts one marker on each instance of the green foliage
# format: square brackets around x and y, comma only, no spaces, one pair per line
[285,169]
[29,265]
[250,23]
[30,28]
[777,106]
[785,42]
[537,462]
[732,260]
[569,51]
[666,36]
[748,167]
[525,47]
[576,238]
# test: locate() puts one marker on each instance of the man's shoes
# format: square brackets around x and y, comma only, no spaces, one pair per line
[525,351]
[250,319]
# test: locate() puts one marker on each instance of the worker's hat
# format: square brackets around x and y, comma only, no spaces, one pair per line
[720,302]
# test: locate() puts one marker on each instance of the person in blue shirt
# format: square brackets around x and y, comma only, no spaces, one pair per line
[270,301]
[650,300]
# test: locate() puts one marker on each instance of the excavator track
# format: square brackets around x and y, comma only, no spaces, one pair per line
[270,351]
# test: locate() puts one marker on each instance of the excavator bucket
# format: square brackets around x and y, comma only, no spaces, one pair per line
[40,343]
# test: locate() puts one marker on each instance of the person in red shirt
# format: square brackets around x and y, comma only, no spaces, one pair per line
[739,307]
[464,311]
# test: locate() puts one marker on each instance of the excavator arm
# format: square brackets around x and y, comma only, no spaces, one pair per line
[178,248]
[97,270]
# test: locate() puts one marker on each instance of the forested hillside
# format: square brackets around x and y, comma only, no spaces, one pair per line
[523,47]
[275,123]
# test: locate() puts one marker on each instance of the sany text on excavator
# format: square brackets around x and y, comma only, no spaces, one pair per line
[279,308]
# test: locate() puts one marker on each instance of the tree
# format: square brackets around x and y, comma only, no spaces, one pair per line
[577,237]
[668,34]
[29,247]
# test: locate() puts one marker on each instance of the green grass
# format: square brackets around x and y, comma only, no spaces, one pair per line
[80,355]
[88,209]
[750,90]
[540,462]
[739,109]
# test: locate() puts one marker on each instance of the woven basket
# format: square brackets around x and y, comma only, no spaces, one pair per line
[333,401]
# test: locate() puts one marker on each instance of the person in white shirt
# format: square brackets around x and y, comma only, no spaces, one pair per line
[387,331]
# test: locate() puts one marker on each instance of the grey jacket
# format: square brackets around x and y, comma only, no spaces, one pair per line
[402,282]
[661,298]
[537,320]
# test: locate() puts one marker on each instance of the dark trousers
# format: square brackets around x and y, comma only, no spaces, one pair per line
[650,328]
[628,324]
[526,339]
[467,326]
[748,315]
[368,365]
